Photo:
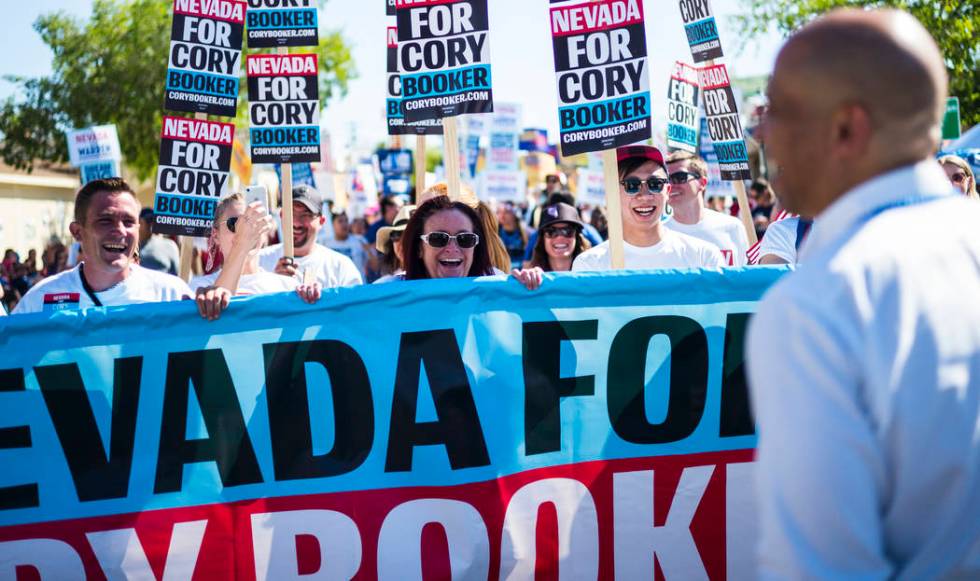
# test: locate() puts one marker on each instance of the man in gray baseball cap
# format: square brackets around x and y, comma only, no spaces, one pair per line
[311,260]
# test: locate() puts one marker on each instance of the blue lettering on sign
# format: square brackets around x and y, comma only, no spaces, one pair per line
[701,31]
[99,170]
[282,19]
[731,151]
[184,206]
[604,113]
[285,136]
[446,82]
[202,83]
[682,134]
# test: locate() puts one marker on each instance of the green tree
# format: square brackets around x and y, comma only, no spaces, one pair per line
[955,24]
[112,69]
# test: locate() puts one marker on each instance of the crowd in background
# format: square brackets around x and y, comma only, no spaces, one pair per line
[548,232]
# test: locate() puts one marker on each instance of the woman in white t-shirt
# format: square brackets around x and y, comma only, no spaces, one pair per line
[648,244]
[239,232]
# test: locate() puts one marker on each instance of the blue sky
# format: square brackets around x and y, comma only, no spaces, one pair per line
[519,44]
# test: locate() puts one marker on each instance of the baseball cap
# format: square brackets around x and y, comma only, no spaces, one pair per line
[560,213]
[401,221]
[644,151]
[309,197]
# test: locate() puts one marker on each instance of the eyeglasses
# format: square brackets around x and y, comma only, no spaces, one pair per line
[632,186]
[442,239]
[958,177]
[556,231]
[231,223]
[682,177]
[395,236]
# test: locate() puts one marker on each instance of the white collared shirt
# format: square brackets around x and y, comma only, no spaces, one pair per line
[865,373]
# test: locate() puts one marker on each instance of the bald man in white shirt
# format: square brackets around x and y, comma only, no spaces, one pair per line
[864,364]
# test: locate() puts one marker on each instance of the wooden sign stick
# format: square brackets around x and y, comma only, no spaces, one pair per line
[419,166]
[186,243]
[286,189]
[450,141]
[614,211]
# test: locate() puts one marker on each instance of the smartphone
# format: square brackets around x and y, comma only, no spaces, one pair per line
[257,194]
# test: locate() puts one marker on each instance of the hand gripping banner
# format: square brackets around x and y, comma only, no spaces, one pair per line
[434,429]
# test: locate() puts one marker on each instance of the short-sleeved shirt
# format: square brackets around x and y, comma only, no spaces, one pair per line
[674,251]
[780,240]
[65,291]
[331,268]
[353,248]
[260,283]
[725,232]
[160,254]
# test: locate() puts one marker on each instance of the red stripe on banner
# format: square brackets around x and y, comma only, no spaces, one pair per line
[218,541]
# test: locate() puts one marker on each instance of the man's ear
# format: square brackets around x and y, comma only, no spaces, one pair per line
[323,220]
[76,231]
[852,130]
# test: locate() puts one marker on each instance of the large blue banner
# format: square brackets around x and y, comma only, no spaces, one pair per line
[285,438]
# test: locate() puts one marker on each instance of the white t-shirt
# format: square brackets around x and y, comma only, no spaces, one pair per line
[331,268]
[725,232]
[675,250]
[352,248]
[780,239]
[260,283]
[64,291]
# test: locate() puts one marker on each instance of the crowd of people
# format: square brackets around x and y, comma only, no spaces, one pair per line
[439,238]
[863,366]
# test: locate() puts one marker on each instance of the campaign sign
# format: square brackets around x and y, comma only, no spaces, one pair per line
[706,150]
[444,58]
[724,126]
[601,61]
[99,170]
[284,106]
[396,120]
[701,29]
[205,56]
[505,128]
[390,7]
[302,174]
[683,94]
[598,428]
[195,157]
[504,186]
[275,23]
[93,144]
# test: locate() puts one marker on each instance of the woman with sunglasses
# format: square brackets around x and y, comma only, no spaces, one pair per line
[445,239]
[960,175]
[238,233]
[647,244]
[561,239]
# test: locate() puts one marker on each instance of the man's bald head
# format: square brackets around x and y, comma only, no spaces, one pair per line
[865,91]
[884,60]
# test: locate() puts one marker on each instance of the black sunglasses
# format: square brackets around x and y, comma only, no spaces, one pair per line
[682,177]
[563,231]
[442,239]
[632,186]
[231,223]
[958,177]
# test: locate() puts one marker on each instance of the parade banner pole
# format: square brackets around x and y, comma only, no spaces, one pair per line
[744,212]
[450,141]
[419,165]
[286,189]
